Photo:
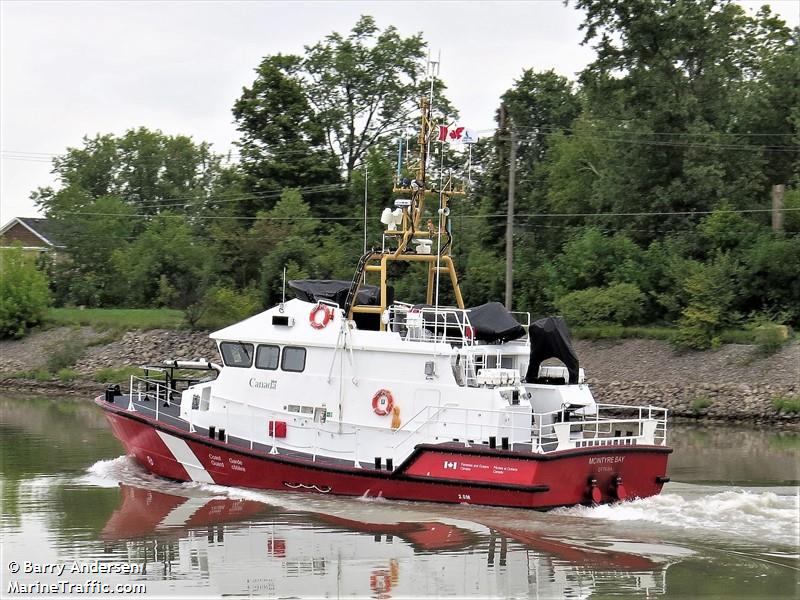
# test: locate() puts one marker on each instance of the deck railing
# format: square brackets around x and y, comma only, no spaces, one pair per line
[143,388]
[441,324]
[594,426]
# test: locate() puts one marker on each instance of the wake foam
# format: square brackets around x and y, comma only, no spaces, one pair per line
[109,473]
[124,469]
[740,513]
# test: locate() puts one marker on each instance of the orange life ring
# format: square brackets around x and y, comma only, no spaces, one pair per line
[327,315]
[382,402]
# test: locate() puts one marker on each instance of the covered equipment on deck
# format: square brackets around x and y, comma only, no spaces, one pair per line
[491,322]
[550,339]
[335,290]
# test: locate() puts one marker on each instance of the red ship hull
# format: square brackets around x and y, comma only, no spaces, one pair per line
[448,473]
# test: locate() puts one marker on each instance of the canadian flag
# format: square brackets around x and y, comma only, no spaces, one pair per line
[450,133]
[456,134]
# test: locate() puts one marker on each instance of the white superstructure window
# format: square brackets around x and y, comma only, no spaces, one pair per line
[267,357]
[236,354]
[294,359]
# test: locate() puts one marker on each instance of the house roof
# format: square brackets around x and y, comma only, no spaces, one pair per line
[45,229]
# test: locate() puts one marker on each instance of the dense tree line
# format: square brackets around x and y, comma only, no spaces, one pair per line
[643,187]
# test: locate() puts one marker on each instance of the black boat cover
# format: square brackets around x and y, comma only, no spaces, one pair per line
[491,322]
[335,290]
[550,339]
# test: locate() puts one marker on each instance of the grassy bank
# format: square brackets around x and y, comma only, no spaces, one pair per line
[116,318]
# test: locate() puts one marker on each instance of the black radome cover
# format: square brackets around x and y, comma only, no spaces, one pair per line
[550,339]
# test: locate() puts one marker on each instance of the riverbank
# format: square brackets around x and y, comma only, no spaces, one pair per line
[735,383]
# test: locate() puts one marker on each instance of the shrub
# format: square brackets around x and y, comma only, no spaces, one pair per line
[36,375]
[117,374]
[592,259]
[708,289]
[701,402]
[619,304]
[63,354]
[221,306]
[24,294]
[787,404]
[66,375]
[770,337]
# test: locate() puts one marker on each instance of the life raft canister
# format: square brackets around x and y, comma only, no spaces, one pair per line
[382,402]
[327,315]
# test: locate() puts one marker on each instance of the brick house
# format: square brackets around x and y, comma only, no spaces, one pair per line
[33,234]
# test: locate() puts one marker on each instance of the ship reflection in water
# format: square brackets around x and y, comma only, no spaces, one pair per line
[249,547]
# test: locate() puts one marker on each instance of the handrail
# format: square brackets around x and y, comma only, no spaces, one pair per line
[439,323]
[543,431]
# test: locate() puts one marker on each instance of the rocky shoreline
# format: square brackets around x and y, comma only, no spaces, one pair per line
[734,384]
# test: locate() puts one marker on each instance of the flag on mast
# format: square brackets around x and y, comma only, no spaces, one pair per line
[457,134]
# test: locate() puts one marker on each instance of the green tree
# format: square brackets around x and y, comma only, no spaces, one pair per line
[283,142]
[307,118]
[290,230]
[24,295]
[708,290]
[89,276]
[688,91]
[364,86]
[108,192]
[145,169]
[770,282]
[166,261]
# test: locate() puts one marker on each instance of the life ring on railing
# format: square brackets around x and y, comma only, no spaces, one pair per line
[327,315]
[382,402]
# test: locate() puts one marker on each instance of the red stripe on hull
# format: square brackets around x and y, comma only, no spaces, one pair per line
[500,481]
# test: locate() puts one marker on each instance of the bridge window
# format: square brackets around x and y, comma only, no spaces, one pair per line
[294,359]
[267,357]
[235,354]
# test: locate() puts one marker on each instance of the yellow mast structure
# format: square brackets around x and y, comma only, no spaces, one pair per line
[411,230]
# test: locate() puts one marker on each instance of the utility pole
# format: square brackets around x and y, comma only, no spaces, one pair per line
[512,173]
[777,207]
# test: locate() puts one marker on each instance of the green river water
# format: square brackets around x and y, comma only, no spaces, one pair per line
[79,519]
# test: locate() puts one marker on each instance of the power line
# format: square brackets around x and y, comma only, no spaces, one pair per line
[557,129]
[637,214]
[676,144]
[474,216]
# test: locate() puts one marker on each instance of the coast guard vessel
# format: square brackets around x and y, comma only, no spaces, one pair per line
[346,390]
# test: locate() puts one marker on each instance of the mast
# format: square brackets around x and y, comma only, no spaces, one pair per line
[410,239]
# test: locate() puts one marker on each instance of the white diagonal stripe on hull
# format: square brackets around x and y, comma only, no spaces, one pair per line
[184,455]
[181,514]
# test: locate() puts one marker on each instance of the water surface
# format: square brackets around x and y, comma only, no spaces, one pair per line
[727,526]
